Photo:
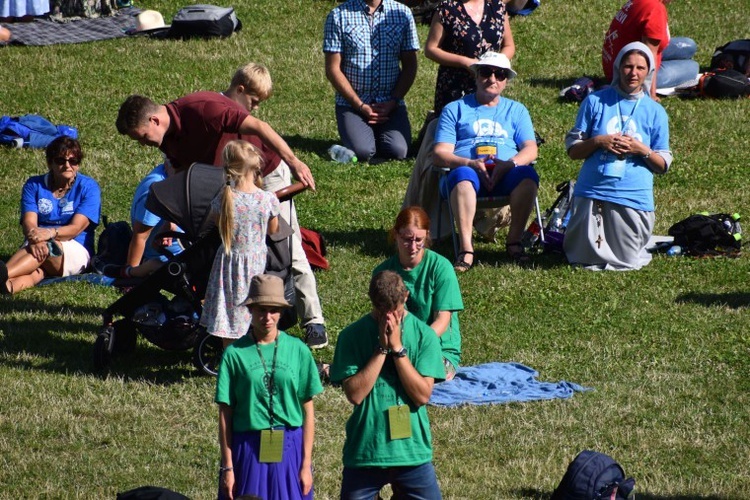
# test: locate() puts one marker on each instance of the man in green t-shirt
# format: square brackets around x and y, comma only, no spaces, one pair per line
[387,363]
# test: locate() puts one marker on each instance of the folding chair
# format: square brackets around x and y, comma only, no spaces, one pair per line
[482,203]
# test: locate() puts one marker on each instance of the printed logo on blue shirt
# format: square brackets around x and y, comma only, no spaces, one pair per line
[485,127]
[44,206]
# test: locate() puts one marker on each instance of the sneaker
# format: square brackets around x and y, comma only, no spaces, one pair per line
[315,336]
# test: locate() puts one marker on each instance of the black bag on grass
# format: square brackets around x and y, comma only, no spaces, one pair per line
[724,84]
[709,235]
[593,476]
[204,21]
[733,55]
[112,247]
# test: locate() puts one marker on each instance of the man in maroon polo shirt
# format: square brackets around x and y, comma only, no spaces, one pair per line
[190,129]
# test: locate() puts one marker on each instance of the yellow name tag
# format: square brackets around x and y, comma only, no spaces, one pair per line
[399,418]
[271,445]
[486,150]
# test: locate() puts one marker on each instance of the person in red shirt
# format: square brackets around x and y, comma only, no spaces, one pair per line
[190,129]
[646,21]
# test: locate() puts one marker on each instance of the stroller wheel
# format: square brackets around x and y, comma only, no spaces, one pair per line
[103,350]
[207,353]
[126,337]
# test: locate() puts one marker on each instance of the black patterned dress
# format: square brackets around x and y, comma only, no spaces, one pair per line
[461,35]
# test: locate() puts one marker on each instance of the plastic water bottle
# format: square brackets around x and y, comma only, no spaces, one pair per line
[674,250]
[342,154]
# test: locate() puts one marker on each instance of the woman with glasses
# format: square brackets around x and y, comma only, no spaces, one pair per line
[434,295]
[59,214]
[488,143]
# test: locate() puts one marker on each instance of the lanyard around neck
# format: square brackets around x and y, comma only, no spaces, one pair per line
[268,379]
[624,126]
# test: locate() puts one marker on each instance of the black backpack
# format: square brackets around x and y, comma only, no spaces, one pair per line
[709,235]
[112,247]
[593,476]
[733,55]
[724,84]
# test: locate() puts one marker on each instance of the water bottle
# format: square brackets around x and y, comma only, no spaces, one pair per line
[674,250]
[556,220]
[342,154]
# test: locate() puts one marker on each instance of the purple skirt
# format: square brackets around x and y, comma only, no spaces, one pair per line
[269,481]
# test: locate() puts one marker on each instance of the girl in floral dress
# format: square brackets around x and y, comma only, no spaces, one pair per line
[245,214]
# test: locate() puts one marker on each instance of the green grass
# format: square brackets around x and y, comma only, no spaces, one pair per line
[666,348]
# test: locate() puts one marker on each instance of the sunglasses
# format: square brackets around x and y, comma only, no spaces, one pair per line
[60,161]
[487,71]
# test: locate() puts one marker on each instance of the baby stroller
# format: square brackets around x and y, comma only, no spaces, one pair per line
[172,323]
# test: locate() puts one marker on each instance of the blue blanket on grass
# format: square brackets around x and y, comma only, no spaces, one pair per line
[93,278]
[495,383]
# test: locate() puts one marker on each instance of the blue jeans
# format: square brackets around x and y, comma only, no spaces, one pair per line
[415,482]
[389,140]
[677,66]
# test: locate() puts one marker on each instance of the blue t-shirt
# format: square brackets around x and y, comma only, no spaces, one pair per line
[627,182]
[468,124]
[139,213]
[84,197]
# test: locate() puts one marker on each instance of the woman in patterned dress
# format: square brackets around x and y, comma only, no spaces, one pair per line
[460,32]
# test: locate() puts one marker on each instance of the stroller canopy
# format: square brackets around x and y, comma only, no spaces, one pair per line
[185,198]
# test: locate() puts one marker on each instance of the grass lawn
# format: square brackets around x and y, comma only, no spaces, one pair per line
[667,348]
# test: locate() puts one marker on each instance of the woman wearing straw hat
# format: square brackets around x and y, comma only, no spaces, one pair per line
[264,390]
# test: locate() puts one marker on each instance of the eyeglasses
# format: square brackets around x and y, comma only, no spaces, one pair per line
[60,161]
[487,71]
[407,242]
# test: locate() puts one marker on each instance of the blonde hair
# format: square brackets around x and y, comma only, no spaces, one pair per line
[255,78]
[240,159]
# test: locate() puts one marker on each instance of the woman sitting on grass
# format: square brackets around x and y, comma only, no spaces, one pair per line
[623,137]
[434,294]
[59,213]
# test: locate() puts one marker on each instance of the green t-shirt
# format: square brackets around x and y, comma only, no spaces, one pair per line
[433,287]
[240,382]
[367,435]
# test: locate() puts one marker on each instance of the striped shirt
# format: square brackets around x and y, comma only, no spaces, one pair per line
[370,46]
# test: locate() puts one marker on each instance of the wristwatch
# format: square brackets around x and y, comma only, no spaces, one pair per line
[401,353]
[382,350]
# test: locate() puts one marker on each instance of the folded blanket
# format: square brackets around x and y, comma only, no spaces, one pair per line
[494,383]
[50,32]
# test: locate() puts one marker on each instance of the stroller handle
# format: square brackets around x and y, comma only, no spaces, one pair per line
[287,193]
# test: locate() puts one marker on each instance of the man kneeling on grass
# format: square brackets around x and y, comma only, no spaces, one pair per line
[388,362]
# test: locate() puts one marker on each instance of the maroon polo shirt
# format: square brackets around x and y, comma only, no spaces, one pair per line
[198,125]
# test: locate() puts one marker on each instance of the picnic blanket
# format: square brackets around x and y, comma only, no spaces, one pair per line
[495,383]
[48,32]
[93,278]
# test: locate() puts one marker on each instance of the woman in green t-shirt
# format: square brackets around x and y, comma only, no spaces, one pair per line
[434,294]
[264,390]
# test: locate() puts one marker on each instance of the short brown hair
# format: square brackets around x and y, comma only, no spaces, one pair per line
[387,291]
[62,145]
[255,78]
[134,112]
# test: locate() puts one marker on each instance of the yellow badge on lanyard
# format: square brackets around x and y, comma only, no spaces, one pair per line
[271,445]
[399,418]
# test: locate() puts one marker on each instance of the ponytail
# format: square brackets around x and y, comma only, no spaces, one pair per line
[226,218]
